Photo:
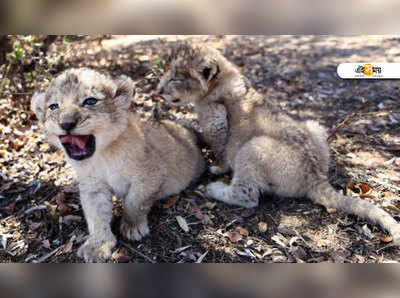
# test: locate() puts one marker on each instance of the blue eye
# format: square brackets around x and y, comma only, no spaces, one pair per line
[89,101]
[54,106]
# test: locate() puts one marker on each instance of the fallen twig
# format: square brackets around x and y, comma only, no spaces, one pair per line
[347,119]
[45,257]
[137,252]
[35,208]
[200,259]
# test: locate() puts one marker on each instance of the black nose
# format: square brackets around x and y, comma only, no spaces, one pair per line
[68,125]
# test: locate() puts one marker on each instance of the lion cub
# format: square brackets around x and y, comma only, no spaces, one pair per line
[267,150]
[114,153]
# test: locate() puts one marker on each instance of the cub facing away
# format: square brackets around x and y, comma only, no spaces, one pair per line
[86,114]
[267,150]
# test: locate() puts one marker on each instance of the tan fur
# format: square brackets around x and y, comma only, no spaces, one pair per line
[137,161]
[214,130]
[267,150]
[214,124]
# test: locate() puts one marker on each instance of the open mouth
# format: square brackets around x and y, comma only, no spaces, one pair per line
[78,147]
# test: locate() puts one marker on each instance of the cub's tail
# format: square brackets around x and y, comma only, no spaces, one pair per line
[327,196]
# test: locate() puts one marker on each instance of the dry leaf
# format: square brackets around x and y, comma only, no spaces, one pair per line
[361,190]
[182,223]
[262,227]
[17,235]
[180,249]
[350,185]
[206,220]
[195,210]
[52,210]
[242,231]
[198,215]
[62,209]
[46,244]
[392,207]
[365,188]
[68,247]
[122,256]
[170,202]
[364,196]
[200,259]
[397,162]
[233,236]
[70,218]
[390,195]
[44,147]
[209,205]
[393,148]
[58,198]
[280,240]
[386,239]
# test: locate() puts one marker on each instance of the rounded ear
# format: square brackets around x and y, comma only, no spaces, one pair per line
[38,105]
[207,74]
[125,91]
[210,71]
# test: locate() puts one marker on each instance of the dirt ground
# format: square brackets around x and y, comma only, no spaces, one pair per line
[40,214]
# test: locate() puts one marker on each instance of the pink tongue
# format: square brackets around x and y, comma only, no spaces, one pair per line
[79,141]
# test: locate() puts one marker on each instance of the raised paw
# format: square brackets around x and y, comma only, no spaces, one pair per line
[97,251]
[134,231]
[244,197]
[215,190]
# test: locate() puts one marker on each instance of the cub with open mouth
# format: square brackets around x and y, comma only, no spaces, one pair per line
[86,114]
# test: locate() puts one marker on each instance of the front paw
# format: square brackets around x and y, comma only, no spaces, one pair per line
[97,251]
[215,190]
[134,231]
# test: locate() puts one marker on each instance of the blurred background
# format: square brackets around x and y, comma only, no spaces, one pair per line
[231,281]
[191,16]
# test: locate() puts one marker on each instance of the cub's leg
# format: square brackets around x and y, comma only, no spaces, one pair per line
[213,120]
[240,192]
[97,206]
[262,165]
[137,205]
[244,189]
